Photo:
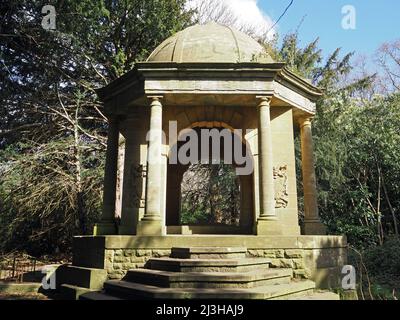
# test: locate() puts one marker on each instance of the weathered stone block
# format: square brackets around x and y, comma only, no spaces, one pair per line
[128,266]
[118,253]
[161,253]
[146,259]
[256,253]
[294,253]
[117,266]
[110,270]
[135,259]
[109,256]
[269,254]
[298,263]
[286,263]
[141,253]
[300,274]
[280,253]
[109,259]
[129,252]
[120,259]
[275,263]
[90,278]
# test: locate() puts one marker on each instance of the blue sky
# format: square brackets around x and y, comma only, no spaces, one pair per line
[376,22]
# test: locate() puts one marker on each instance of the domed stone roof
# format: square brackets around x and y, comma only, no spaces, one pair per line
[211,42]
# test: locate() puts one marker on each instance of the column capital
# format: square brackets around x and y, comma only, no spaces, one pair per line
[155,97]
[305,121]
[264,100]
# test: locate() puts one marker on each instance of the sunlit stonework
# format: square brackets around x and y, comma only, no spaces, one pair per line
[209,76]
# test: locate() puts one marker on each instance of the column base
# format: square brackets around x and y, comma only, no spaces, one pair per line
[313,228]
[268,228]
[150,228]
[105,229]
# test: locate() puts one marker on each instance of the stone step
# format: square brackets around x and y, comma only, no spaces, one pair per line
[97,295]
[130,290]
[89,278]
[208,253]
[71,292]
[209,279]
[208,265]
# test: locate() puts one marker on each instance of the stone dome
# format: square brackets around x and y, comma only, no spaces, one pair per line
[211,42]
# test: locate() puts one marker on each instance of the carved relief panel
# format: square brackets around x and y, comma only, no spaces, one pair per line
[281,190]
[138,173]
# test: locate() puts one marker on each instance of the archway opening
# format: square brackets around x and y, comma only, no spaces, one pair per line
[210,195]
[213,192]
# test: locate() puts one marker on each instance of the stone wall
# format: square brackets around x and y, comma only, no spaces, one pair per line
[119,261]
[319,258]
[284,258]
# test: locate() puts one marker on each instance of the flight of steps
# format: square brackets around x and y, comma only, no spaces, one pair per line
[209,273]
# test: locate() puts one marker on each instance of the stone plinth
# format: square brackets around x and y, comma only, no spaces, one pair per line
[319,258]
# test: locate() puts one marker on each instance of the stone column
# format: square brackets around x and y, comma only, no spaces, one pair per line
[107,224]
[312,223]
[267,223]
[133,175]
[151,223]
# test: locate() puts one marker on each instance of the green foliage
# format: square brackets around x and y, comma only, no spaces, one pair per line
[210,195]
[378,270]
[357,147]
[383,263]
[119,33]
[94,43]
[52,129]
[302,61]
[42,203]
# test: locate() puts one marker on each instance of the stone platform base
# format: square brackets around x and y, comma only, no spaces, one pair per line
[209,273]
[318,258]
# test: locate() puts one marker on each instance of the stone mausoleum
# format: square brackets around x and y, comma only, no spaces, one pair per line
[206,76]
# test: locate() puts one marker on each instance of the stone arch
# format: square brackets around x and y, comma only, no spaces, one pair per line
[175,174]
[205,116]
